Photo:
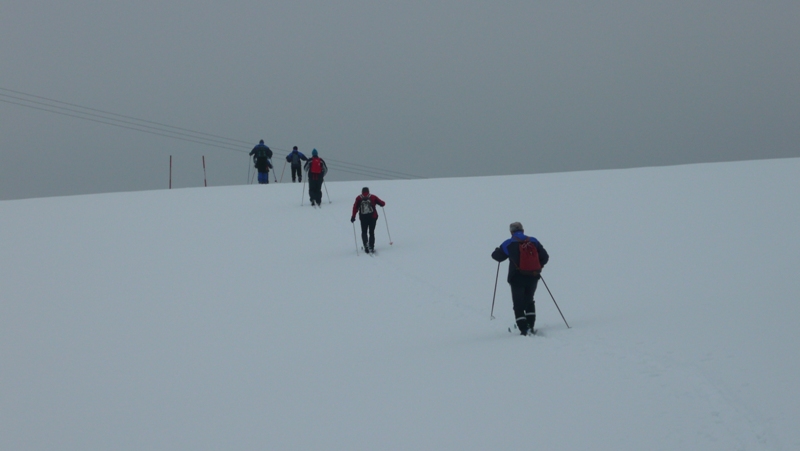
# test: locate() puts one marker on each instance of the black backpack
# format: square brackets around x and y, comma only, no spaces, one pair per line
[366,207]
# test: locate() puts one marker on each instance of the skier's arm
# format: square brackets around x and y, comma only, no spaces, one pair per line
[379,201]
[498,255]
[543,255]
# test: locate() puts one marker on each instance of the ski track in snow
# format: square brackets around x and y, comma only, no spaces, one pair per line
[723,418]
[732,420]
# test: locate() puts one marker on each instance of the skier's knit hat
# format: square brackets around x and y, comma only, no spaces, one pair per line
[364,190]
[516,227]
[261,142]
[295,148]
[314,153]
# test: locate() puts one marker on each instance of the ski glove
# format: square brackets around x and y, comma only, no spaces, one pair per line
[353,219]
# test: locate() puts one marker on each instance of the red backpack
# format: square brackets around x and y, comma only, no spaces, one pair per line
[529,264]
[316,166]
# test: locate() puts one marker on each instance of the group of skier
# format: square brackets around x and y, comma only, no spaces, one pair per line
[525,253]
[316,169]
[262,159]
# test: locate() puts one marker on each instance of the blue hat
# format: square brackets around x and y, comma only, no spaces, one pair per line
[314,153]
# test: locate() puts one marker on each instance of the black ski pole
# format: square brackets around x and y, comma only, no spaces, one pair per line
[326,191]
[284,170]
[554,301]
[491,315]
[303,193]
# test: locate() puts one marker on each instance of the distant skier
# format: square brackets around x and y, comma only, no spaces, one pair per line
[295,158]
[527,257]
[261,157]
[261,147]
[316,170]
[366,207]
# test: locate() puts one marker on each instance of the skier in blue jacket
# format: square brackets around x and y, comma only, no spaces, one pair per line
[262,154]
[295,158]
[523,286]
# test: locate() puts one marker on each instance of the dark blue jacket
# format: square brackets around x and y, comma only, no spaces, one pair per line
[254,152]
[510,250]
[295,158]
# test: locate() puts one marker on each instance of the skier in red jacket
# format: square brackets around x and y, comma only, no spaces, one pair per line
[365,206]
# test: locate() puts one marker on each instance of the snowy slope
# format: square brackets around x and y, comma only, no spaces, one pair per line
[234,318]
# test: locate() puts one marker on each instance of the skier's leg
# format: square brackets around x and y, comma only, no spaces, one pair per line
[311,188]
[364,228]
[319,191]
[518,298]
[372,222]
[530,303]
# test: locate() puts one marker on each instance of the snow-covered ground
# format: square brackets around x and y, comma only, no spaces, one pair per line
[233,318]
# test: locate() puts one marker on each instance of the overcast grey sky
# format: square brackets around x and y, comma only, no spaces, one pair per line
[425,88]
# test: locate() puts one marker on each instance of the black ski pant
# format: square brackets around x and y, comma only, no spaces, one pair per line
[315,190]
[297,173]
[522,290]
[368,225]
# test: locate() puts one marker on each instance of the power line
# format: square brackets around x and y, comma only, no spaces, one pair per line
[137,127]
[351,168]
[119,125]
[359,168]
[116,114]
[169,131]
